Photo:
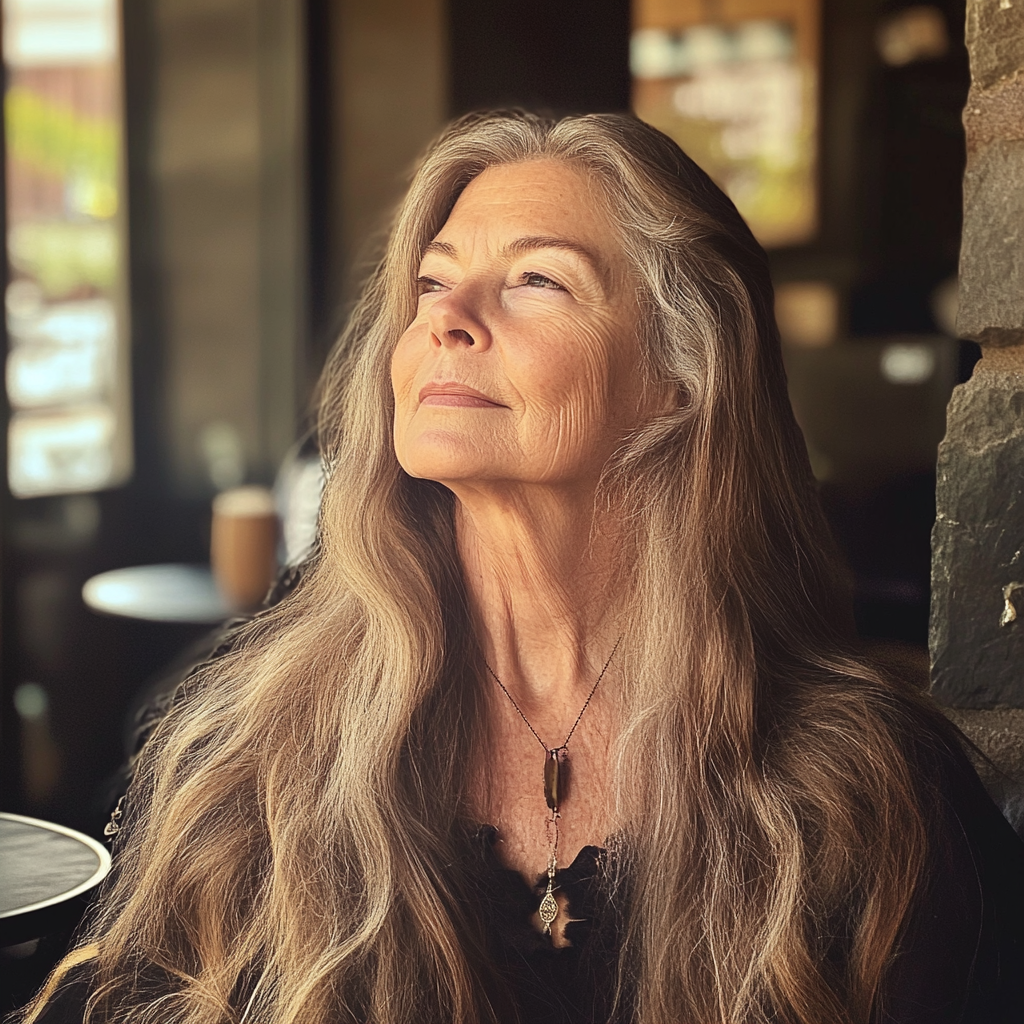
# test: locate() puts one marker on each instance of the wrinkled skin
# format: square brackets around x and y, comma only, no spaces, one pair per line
[518,378]
[545,333]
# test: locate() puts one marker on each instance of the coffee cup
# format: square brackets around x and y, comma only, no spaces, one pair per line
[243,545]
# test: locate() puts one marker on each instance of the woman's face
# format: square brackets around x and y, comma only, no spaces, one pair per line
[522,364]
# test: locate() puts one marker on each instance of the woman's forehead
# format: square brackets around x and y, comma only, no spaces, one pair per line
[536,198]
[539,197]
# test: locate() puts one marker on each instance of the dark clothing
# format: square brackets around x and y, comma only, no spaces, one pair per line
[960,960]
[549,985]
[961,957]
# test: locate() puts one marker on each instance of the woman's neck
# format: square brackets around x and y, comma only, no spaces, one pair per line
[539,568]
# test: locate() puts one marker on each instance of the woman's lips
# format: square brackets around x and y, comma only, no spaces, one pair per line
[457,395]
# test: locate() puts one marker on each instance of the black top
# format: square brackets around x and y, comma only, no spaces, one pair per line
[960,959]
[550,984]
[961,955]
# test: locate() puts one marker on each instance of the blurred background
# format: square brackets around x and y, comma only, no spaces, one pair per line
[194,189]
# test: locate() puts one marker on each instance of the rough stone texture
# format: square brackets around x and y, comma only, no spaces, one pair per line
[999,736]
[978,542]
[977,618]
[996,113]
[992,252]
[995,39]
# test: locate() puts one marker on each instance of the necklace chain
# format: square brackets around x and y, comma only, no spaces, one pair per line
[586,703]
[554,768]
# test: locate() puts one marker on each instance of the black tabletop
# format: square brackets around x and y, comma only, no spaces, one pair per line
[46,870]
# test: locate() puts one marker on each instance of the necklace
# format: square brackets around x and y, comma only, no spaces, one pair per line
[556,779]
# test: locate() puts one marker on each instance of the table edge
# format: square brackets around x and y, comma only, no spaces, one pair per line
[94,879]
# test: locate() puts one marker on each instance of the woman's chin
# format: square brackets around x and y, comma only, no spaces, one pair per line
[446,466]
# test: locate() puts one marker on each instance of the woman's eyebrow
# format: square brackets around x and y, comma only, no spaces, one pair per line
[526,244]
[530,243]
[442,249]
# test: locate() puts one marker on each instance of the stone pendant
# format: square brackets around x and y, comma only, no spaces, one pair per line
[556,778]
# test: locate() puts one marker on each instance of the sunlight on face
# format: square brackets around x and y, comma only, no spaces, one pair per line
[522,365]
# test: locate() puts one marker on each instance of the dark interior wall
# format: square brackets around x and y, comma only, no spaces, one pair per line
[891,158]
[379,91]
[909,182]
[227,158]
[321,197]
[567,56]
[922,165]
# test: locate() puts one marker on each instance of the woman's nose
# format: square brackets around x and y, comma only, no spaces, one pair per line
[455,321]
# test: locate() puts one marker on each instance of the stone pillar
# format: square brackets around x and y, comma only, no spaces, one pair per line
[977,615]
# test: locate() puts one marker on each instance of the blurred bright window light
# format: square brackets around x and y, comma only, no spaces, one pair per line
[41,376]
[60,453]
[908,363]
[67,372]
[65,355]
[48,32]
[654,53]
[92,322]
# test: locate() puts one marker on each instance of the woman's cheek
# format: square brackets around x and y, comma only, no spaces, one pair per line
[567,401]
[559,348]
[403,371]
[581,366]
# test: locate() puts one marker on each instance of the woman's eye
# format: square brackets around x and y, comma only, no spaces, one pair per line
[424,285]
[540,281]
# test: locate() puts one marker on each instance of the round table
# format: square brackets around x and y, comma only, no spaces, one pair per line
[47,871]
[158,593]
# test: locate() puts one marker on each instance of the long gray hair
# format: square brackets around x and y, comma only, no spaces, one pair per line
[297,821]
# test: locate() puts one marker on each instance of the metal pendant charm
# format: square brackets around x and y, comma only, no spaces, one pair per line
[548,909]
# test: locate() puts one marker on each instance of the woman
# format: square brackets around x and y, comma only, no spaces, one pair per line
[560,455]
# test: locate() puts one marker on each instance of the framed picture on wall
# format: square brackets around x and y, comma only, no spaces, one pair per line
[735,83]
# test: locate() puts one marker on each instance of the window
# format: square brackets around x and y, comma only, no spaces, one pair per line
[735,84]
[66,309]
